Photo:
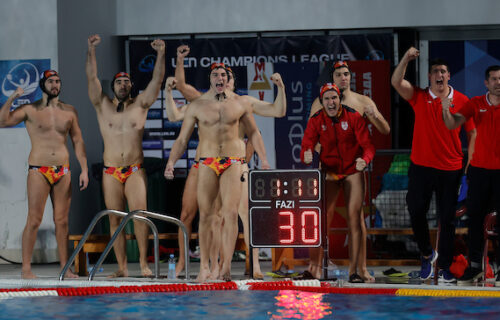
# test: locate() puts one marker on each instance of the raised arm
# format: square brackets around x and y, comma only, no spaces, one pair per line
[255,137]
[277,109]
[94,85]
[173,113]
[181,142]
[451,120]
[375,117]
[402,86]
[150,94]
[8,118]
[188,91]
[79,146]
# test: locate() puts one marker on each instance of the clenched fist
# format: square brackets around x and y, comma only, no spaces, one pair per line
[158,45]
[411,54]
[182,51]
[276,79]
[94,40]
[360,164]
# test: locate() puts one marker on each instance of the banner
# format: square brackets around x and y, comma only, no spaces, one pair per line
[303,59]
[25,74]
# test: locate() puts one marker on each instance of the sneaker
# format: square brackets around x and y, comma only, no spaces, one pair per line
[427,269]
[445,276]
[497,280]
[471,275]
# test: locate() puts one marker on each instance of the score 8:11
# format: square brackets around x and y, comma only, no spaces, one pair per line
[307,227]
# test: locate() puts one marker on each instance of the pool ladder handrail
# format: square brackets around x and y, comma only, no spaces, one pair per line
[91,227]
[121,226]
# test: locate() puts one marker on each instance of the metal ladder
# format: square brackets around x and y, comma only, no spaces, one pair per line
[127,217]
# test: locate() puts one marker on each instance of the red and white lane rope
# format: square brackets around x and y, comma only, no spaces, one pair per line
[301,285]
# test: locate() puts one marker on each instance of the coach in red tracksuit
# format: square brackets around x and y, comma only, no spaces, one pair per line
[346,150]
[484,171]
[436,162]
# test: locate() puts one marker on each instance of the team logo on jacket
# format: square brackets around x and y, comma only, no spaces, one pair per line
[323,127]
[344,125]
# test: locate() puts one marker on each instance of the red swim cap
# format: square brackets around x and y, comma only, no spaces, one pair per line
[121,75]
[328,87]
[49,73]
[217,65]
[340,64]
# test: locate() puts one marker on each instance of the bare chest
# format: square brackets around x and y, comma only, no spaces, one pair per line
[130,119]
[354,103]
[50,119]
[220,113]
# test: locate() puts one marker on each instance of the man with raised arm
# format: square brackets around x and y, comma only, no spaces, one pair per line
[218,114]
[277,109]
[121,121]
[484,170]
[364,105]
[436,162]
[49,122]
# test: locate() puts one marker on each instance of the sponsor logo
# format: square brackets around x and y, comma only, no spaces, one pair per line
[344,125]
[24,75]
[260,81]
[147,63]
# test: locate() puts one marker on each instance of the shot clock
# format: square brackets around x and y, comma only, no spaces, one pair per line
[285,208]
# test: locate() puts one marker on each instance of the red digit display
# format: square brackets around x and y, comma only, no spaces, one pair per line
[287,230]
[286,208]
[309,226]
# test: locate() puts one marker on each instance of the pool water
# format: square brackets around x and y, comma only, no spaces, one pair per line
[284,304]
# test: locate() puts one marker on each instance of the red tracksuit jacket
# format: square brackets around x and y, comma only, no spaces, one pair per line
[342,140]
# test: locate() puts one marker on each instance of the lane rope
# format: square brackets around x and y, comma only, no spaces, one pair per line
[299,285]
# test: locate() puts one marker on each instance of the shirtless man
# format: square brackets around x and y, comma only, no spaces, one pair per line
[49,122]
[218,114]
[365,106]
[262,108]
[121,121]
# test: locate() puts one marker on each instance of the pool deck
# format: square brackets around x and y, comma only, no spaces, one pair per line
[48,275]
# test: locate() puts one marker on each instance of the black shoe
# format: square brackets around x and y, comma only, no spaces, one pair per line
[355,278]
[471,275]
[497,280]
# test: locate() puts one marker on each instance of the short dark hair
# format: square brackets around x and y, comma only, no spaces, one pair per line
[489,69]
[438,62]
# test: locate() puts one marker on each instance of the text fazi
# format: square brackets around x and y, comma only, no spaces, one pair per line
[288,204]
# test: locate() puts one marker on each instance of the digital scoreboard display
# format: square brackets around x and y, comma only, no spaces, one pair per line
[285,208]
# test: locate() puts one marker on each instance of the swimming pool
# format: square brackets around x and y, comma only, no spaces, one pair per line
[283,304]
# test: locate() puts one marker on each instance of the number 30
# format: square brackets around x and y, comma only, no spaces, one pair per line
[290,227]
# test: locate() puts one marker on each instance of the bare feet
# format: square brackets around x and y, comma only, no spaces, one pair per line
[225,276]
[214,274]
[203,275]
[225,272]
[27,274]
[257,275]
[146,272]
[119,274]
[367,276]
[70,275]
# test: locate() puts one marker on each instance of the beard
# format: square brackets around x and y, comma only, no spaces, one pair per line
[50,94]
[122,95]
